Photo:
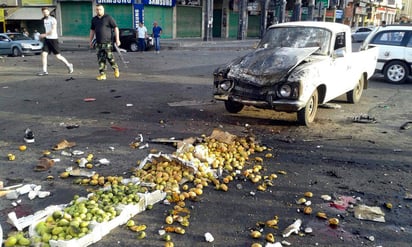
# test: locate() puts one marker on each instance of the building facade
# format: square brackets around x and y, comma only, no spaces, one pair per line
[194,18]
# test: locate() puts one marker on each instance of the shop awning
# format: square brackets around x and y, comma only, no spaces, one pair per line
[26,14]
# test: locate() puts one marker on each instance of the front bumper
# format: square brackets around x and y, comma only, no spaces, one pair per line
[277,104]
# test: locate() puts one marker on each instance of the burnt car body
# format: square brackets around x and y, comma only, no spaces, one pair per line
[295,67]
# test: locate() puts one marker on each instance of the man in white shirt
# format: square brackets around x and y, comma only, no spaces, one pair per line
[141,36]
[51,42]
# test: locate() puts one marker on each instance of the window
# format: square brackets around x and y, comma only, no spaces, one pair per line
[389,38]
[340,41]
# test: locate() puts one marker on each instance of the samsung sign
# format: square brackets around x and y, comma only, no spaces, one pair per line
[114,1]
[169,3]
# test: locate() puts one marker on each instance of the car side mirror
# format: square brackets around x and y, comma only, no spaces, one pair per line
[339,53]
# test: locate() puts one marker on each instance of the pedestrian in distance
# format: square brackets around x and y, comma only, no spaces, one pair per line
[102,28]
[141,36]
[51,42]
[156,32]
[36,35]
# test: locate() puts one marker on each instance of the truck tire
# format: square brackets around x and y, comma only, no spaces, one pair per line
[396,72]
[233,107]
[355,95]
[134,47]
[15,52]
[307,114]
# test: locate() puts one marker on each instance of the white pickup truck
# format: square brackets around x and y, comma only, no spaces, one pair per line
[296,67]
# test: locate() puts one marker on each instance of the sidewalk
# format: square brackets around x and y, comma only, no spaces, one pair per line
[82,43]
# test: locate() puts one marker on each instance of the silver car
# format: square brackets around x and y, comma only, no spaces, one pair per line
[361,33]
[17,44]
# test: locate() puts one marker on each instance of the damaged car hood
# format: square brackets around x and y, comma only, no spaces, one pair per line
[268,65]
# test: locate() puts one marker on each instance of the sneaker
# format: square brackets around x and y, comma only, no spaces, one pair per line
[157,52]
[28,136]
[42,73]
[70,67]
[116,73]
[101,77]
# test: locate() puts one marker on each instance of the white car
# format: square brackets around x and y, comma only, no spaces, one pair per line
[395,51]
[296,66]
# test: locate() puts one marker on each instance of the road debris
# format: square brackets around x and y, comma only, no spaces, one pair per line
[28,136]
[209,237]
[406,125]
[293,228]
[364,212]
[343,202]
[63,145]
[364,119]
[44,164]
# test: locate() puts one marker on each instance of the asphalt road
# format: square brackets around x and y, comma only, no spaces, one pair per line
[170,95]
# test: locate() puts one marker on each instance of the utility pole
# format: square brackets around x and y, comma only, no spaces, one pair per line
[264,17]
[311,9]
[208,21]
[282,11]
[241,32]
[297,10]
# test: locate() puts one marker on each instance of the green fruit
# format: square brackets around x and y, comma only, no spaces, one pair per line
[141,235]
[63,222]
[57,215]
[57,230]
[45,237]
[11,241]
[24,241]
[130,223]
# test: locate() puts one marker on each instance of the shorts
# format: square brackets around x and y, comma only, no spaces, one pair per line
[51,45]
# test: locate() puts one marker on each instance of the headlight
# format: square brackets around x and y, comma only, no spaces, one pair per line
[225,85]
[24,45]
[285,91]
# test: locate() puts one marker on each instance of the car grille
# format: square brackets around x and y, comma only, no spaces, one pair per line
[250,92]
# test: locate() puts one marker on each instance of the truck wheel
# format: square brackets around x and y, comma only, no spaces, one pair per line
[396,72]
[133,47]
[354,95]
[15,52]
[307,114]
[233,107]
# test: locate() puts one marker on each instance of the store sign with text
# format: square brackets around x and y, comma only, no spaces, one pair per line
[114,1]
[168,3]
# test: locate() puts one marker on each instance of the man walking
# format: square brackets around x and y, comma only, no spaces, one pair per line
[102,27]
[157,30]
[51,42]
[141,36]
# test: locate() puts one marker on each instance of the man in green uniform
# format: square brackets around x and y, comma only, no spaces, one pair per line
[103,27]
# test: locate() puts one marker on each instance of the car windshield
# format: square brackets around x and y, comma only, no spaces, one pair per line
[297,37]
[18,36]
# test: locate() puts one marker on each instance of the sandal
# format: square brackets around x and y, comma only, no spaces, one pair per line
[44,164]
[64,144]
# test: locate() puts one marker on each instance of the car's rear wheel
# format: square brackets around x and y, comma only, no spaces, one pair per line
[134,47]
[233,107]
[15,52]
[355,95]
[307,114]
[396,72]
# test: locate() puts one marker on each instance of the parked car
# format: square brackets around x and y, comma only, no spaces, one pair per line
[395,51]
[361,33]
[296,67]
[128,40]
[17,44]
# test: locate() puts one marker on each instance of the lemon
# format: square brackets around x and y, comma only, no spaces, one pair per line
[22,148]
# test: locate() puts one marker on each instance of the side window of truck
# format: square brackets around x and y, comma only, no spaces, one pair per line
[340,41]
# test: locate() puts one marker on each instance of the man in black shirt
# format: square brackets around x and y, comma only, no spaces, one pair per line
[102,28]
